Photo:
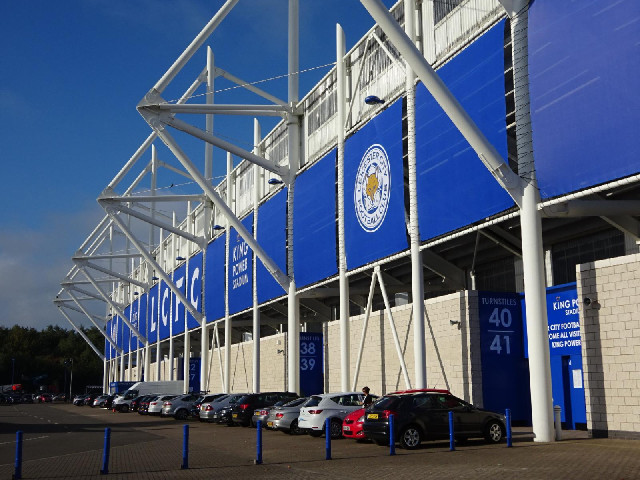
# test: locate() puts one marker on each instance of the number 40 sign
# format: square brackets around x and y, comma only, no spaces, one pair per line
[501,325]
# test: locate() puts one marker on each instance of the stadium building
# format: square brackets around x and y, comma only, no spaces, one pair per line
[454,205]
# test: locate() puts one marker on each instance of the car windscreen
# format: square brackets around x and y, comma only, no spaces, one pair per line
[236,398]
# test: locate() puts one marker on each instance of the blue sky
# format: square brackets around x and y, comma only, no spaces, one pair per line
[71,74]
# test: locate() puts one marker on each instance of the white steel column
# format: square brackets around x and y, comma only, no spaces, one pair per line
[293,130]
[417,282]
[227,319]
[172,261]
[159,356]
[208,216]
[345,350]
[531,228]
[256,310]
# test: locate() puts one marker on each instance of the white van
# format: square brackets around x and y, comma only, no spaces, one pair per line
[122,402]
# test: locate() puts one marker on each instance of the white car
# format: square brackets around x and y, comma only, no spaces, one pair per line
[155,405]
[331,407]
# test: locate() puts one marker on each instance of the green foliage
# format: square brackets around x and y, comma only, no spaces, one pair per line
[39,358]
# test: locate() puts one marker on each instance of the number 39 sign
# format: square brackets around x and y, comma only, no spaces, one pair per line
[311,367]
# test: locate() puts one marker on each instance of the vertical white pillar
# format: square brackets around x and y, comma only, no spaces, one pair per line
[531,228]
[227,318]
[417,282]
[208,215]
[105,374]
[293,125]
[345,349]
[172,260]
[256,310]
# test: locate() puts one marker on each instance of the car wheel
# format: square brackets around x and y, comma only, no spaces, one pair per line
[336,428]
[181,415]
[294,429]
[410,437]
[124,408]
[494,432]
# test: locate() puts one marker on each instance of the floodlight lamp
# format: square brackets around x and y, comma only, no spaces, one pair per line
[180,259]
[275,181]
[217,227]
[373,100]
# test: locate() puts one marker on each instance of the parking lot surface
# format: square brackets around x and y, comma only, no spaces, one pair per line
[64,441]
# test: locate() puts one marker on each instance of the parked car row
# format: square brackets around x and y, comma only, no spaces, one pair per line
[17,397]
[419,415]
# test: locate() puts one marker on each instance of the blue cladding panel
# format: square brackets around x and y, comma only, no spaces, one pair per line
[454,187]
[374,190]
[505,371]
[584,64]
[164,311]
[314,222]
[177,308]
[140,317]
[153,314]
[194,288]
[240,269]
[126,332]
[214,283]
[272,236]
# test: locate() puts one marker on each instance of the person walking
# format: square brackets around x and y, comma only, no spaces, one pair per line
[368,399]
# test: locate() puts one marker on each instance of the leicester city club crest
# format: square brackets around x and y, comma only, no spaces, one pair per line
[372,188]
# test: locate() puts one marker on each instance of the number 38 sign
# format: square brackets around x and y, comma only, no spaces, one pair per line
[311,367]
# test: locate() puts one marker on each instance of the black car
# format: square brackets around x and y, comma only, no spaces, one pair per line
[135,403]
[243,410]
[143,404]
[424,415]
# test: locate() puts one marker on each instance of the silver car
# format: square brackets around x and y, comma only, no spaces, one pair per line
[179,407]
[285,418]
[155,405]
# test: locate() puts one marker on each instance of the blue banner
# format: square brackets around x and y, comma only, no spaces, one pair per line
[194,288]
[240,282]
[272,237]
[374,190]
[177,307]
[454,187]
[311,364]
[314,222]
[214,284]
[583,80]
[153,314]
[505,372]
[164,311]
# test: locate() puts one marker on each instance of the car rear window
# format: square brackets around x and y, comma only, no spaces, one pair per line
[314,401]
[387,403]
[296,402]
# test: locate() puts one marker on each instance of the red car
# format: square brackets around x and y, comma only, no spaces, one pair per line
[352,425]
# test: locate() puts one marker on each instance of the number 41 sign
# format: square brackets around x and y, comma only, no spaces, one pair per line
[501,324]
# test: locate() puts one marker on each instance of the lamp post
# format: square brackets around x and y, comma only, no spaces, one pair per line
[69,363]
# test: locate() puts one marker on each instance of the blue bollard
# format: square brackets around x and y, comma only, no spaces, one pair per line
[259,442]
[185,447]
[392,437]
[18,465]
[452,437]
[508,415]
[327,439]
[105,452]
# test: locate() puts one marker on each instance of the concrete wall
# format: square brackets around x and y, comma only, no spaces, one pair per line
[446,346]
[453,352]
[610,331]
